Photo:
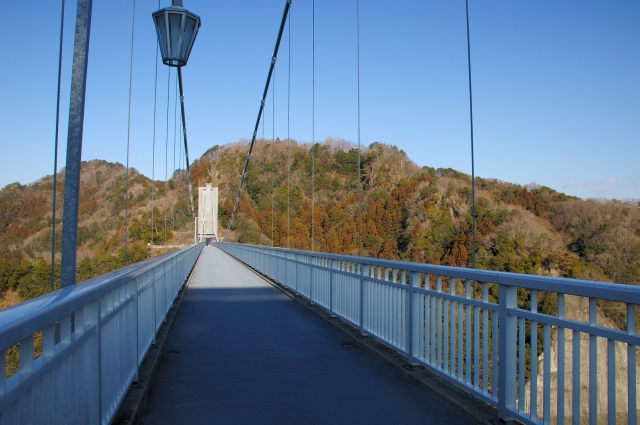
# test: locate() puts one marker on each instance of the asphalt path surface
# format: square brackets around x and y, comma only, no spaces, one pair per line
[242,352]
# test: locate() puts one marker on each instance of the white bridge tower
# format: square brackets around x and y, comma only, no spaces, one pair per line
[207,227]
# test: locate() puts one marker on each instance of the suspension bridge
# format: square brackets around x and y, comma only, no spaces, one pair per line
[239,333]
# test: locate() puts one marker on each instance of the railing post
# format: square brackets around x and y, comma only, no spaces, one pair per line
[295,279]
[507,353]
[279,270]
[312,261]
[631,365]
[3,365]
[561,359]
[155,305]
[332,264]
[364,269]
[288,259]
[285,261]
[593,364]
[92,318]
[164,292]
[136,330]
[413,331]
[171,284]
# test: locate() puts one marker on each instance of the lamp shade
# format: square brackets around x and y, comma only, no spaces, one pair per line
[177,29]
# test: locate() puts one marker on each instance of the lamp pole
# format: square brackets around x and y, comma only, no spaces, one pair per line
[74,144]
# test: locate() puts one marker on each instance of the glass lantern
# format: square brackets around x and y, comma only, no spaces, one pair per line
[177,29]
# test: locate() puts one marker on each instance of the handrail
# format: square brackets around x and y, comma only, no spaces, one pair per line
[28,317]
[95,335]
[583,288]
[458,332]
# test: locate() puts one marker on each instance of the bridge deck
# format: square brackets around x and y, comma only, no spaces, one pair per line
[240,351]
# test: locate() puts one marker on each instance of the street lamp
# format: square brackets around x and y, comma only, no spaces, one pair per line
[177,29]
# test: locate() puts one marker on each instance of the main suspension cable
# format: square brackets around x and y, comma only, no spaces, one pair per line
[126,201]
[186,149]
[473,176]
[255,131]
[55,159]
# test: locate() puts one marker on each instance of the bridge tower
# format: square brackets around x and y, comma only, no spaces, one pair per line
[207,226]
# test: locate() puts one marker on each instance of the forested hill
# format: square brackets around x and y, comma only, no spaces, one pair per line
[423,214]
[420,214]
[25,225]
[408,212]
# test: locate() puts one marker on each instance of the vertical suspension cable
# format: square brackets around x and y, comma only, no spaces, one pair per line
[166,157]
[262,203]
[473,176]
[126,200]
[358,60]
[55,159]
[175,132]
[153,148]
[255,181]
[288,134]
[313,123]
[180,176]
[273,150]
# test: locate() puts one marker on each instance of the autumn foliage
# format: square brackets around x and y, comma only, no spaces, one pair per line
[406,212]
[417,214]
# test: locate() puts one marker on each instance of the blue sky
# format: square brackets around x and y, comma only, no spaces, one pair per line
[556,85]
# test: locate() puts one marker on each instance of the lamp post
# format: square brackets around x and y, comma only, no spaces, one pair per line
[177,29]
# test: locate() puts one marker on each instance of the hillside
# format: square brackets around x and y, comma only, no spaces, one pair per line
[25,220]
[423,214]
[409,212]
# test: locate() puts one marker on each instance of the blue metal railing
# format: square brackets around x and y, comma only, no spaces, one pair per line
[94,335]
[465,325]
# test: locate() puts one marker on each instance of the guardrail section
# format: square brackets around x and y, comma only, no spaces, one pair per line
[481,330]
[93,338]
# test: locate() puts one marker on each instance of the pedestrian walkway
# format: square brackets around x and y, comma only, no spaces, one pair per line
[241,352]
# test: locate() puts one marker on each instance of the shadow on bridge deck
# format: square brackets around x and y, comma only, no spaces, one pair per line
[240,351]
